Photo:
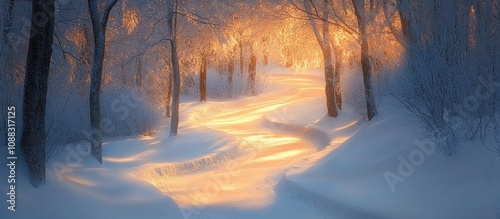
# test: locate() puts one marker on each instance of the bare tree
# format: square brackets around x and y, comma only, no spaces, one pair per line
[35,89]
[172,6]
[323,37]
[359,11]
[401,8]
[99,22]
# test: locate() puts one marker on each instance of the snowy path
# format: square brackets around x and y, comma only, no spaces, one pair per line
[245,187]
[238,159]
[229,164]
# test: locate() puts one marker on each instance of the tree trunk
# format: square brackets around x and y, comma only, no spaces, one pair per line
[289,62]
[230,70]
[203,79]
[175,89]
[329,83]
[35,90]
[265,44]
[95,95]
[240,45]
[176,76]
[404,13]
[323,38]
[168,100]
[138,76]
[365,58]
[99,28]
[338,71]
[252,70]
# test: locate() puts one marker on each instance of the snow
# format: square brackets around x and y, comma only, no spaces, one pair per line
[275,155]
[350,177]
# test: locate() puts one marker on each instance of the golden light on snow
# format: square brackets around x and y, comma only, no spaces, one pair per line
[280,155]
[136,157]
[346,126]
[246,181]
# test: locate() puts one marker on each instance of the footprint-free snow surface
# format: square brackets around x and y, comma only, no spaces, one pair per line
[246,185]
[274,155]
[227,162]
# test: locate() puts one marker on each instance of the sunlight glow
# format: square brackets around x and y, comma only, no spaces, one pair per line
[136,157]
[247,181]
[346,126]
[79,180]
[281,155]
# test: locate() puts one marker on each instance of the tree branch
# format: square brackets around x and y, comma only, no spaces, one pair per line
[107,10]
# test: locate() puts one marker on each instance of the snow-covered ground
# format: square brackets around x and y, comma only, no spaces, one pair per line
[387,170]
[275,155]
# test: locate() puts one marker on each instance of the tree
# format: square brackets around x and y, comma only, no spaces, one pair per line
[172,6]
[35,89]
[193,48]
[402,7]
[203,78]
[252,70]
[323,38]
[452,62]
[168,99]
[230,70]
[99,22]
[359,11]
[337,72]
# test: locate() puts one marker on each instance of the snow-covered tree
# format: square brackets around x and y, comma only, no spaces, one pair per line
[451,77]
[172,14]
[361,15]
[322,33]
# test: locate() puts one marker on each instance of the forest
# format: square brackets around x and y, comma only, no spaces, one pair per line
[250,108]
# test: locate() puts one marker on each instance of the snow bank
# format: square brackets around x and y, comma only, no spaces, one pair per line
[384,170]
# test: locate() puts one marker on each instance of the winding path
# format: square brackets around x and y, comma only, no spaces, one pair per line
[246,186]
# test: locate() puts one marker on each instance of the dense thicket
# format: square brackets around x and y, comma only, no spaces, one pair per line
[452,68]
